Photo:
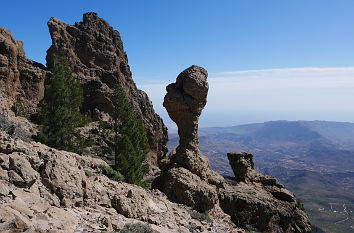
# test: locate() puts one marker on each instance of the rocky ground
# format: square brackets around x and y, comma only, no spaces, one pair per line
[47,190]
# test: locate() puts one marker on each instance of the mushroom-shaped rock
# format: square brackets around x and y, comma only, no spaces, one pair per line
[186,176]
[184,102]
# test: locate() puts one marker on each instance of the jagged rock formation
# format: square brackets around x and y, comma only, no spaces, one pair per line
[46,190]
[254,201]
[21,79]
[96,54]
[259,202]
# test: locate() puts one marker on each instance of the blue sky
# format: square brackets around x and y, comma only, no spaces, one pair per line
[164,37]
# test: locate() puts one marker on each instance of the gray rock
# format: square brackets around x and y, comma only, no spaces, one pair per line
[4,190]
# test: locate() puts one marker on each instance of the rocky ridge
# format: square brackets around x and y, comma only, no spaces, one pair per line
[96,54]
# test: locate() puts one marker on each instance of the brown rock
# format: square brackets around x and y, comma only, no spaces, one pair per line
[186,176]
[182,186]
[242,164]
[96,54]
[21,79]
[253,207]
[4,190]
[105,205]
[184,103]
[259,202]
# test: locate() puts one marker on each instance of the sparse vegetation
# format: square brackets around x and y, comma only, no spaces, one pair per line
[88,173]
[136,228]
[192,227]
[301,206]
[13,129]
[112,174]
[19,109]
[200,216]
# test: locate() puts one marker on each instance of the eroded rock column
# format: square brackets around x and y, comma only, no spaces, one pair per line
[186,177]
[184,102]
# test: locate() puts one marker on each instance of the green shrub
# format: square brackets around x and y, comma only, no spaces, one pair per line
[200,216]
[136,228]
[88,173]
[301,206]
[192,227]
[112,174]
[20,110]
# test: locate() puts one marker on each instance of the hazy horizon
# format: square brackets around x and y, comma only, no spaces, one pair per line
[256,96]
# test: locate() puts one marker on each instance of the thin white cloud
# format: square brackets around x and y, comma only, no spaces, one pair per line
[300,90]
[317,78]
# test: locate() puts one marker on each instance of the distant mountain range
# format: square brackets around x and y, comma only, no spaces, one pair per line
[314,159]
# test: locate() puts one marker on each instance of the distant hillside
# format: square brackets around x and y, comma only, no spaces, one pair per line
[314,159]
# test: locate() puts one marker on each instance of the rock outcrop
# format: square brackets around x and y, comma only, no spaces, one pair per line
[254,201]
[186,176]
[242,165]
[97,57]
[259,202]
[21,79]
[47,190]
[184,102]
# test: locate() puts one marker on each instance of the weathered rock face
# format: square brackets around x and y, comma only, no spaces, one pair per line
[186,176]
[254,201]
[184,103]
[259,202]
[96,54]
[182,186]
[242,164]
[47,190]
[21,79]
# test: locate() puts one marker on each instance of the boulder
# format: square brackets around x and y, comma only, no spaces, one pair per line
[242,165]
[259,202]
[182,186]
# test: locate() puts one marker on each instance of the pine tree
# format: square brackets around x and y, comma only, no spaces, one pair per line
[60,109]
[130,143]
